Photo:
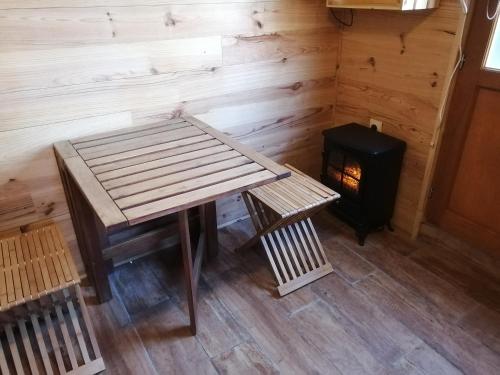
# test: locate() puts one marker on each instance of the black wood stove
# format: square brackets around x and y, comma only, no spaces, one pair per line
[362,165]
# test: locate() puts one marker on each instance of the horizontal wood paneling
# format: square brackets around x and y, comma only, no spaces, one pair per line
[262,71]
[394,68]
[62,67]
[129,22]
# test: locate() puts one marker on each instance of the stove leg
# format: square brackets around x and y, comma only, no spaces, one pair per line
[390,227]
[361,238]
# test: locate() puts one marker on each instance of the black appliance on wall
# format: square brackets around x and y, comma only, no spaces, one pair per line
[364,166]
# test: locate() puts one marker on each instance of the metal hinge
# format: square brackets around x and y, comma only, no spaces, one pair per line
[461,63]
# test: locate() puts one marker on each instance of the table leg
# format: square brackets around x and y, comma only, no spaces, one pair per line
[94,241]
[210,225]
[100,268]
[188,267]
[90,236]
[72,205]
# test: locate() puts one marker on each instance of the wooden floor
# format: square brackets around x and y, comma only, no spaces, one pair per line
[391,307]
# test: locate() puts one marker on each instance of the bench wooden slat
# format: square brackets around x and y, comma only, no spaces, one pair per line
[3,279]
[312,181]
[47,259]
[27,346]
[56,347]
[290,240]
[29,266]
[22,268]
[16,276]
[65,333]
[14,352]
[41,273]
[41,345]
[4,368]
[76,327]
[61,279]
[63,247]
[33,264]
[39,262]
[9,283]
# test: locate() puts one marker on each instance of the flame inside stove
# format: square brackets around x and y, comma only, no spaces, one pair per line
[347,179]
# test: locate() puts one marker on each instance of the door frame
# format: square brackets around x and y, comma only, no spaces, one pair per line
[460,111]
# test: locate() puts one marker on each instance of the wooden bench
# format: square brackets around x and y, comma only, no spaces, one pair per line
[41,303]
[281,213]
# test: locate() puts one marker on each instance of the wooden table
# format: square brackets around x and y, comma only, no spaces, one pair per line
[121,179]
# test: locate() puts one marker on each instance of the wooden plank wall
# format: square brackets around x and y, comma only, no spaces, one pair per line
[263,71]
[394,67]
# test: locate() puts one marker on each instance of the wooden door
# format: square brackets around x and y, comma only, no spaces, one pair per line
[466,188]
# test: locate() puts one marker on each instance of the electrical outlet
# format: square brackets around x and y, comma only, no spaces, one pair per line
[377,124]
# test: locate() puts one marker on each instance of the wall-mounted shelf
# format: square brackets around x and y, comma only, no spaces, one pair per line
[384,4]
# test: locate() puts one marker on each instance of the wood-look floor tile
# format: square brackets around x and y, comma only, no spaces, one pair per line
[244,359]
[269,325]
[165,332]
[346,263]
[483,324]
[413,276]
[428,361]
[467,275]
[121,346]
[391,307]
[386,337]
[450,341]
[138,286]
[218,330]
[322,329]
[402,367]
[488,260]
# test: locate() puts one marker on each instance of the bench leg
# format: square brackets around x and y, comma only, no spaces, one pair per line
[188,268]
[296,255]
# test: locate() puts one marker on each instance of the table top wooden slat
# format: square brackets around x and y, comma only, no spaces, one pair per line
[121,176]
[122,136]
[184,201]
[116,167]
[187,185]
[144,184]
[139,142]
[133,175]
[267,163]
[148,150]
[33,264]
[105,208]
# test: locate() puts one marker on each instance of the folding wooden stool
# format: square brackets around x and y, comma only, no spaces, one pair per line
[44,323]
[281,212]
